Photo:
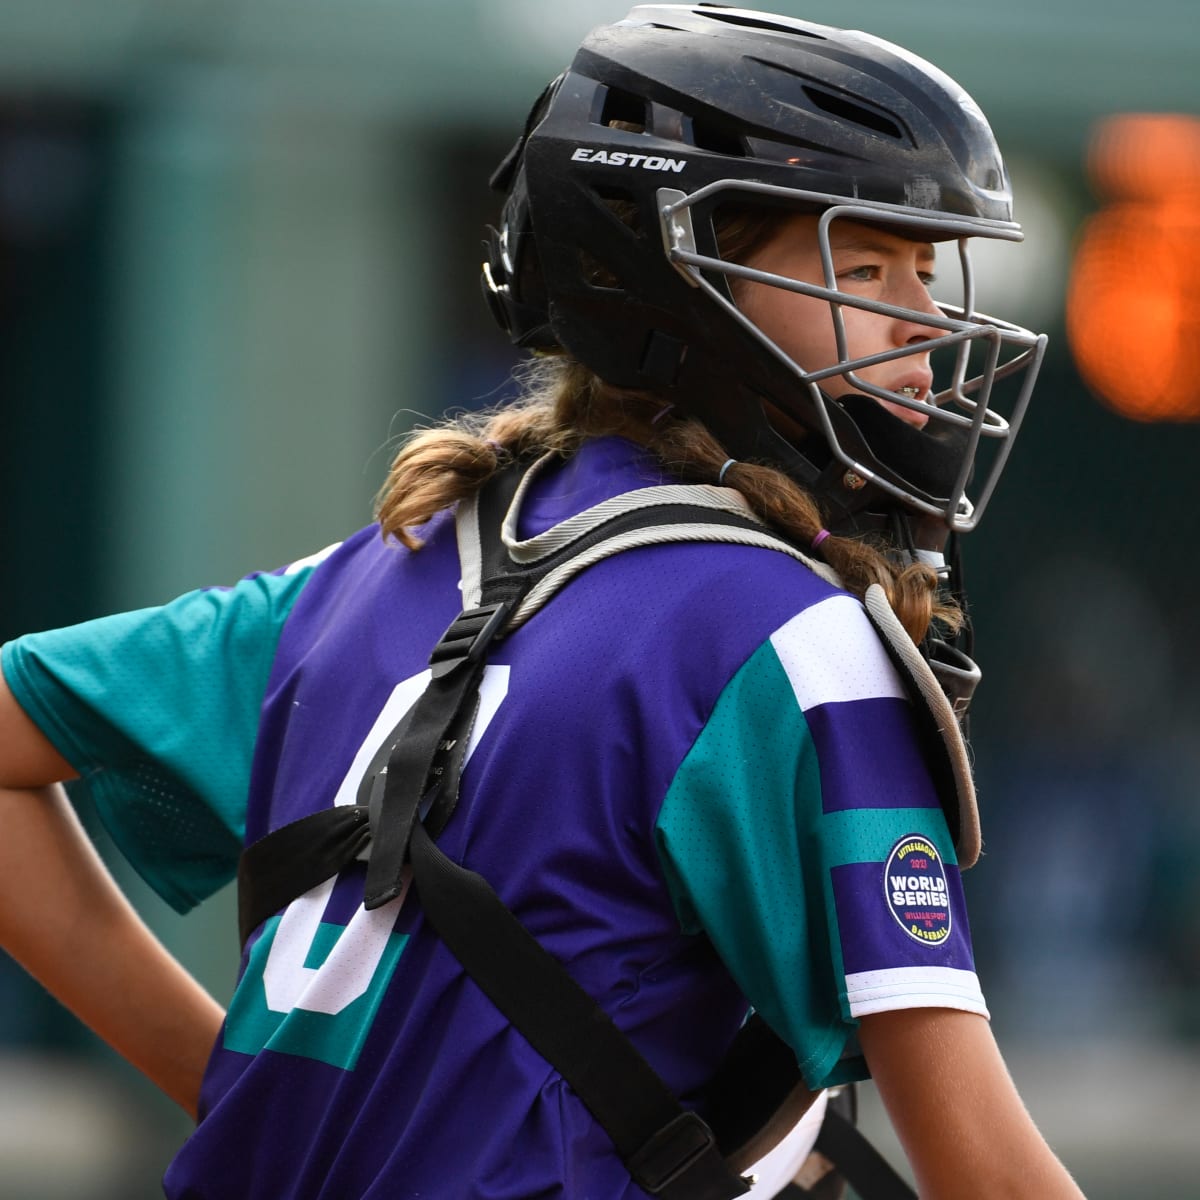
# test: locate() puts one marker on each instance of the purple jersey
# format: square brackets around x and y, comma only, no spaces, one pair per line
[695,778]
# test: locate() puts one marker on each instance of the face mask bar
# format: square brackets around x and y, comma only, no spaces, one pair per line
[964,403]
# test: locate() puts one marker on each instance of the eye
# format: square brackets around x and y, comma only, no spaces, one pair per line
[928,278]
[864,274]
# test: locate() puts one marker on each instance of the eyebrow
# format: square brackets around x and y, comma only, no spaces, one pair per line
[866,244]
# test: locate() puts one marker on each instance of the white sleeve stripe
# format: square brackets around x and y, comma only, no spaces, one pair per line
[950,976]
[914,987]
[831,653]
[919,1000]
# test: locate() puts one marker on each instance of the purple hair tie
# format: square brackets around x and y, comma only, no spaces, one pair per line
[821,536]
[662,412]
[725,467]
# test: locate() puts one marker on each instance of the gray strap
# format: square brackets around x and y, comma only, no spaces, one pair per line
[929,691]
[470,551]
[658,536]
[532,550]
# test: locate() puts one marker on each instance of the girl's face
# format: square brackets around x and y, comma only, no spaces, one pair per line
[868,262]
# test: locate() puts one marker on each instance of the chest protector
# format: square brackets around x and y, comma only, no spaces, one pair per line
[759,1111]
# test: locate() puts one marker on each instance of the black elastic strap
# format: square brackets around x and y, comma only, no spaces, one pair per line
[406,781]
[424,758]
[291,860]
[669,1152]
[757,1075]
[863,1167]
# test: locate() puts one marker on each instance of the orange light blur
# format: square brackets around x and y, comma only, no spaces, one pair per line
[1133,307]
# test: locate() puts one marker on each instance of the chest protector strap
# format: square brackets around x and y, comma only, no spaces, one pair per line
[409,791]
[939,725]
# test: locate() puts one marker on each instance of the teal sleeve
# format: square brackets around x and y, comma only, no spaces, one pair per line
[735,829]
[158,711]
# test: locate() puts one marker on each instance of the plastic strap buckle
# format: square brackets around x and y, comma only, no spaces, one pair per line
[468,636]
[671,1152]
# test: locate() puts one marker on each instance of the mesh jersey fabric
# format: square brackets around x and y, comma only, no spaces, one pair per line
[687,776]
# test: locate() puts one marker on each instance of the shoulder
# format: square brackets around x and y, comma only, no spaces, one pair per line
[832,653]
[370,578]
[742,598]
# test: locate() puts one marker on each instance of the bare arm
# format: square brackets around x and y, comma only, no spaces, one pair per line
[956,1110]
[65,921]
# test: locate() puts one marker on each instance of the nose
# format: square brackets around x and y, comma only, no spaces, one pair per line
[916,298]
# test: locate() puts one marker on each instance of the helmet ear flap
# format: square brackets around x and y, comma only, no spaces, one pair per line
[511,276]
[493,281]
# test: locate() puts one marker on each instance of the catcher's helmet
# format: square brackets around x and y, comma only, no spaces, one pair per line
[608,250]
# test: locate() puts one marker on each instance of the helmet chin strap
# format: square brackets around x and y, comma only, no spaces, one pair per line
[927,461]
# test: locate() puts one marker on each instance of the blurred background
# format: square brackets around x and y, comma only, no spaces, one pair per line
[239,253]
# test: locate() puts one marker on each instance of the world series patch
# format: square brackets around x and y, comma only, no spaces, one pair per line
[914,881]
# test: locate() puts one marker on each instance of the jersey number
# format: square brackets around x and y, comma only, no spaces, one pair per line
[312,987]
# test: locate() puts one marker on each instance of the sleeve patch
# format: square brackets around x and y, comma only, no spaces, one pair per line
[914,881]
[877,934]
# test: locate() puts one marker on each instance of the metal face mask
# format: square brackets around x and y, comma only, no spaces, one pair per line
[985,368]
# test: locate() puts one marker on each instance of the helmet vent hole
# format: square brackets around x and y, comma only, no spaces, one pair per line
[624,208]
[752,22]
[597,274]
[623,110]
[706,136]
[623,205]
[848,110]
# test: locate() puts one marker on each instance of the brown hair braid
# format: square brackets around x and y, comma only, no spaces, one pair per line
[563,404]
